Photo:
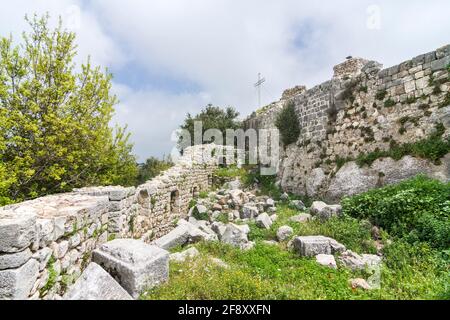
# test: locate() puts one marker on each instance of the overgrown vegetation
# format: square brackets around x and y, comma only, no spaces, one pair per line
[54,133]
[417,210]
[433,148]
[415,257]
[288,124]
[152,168]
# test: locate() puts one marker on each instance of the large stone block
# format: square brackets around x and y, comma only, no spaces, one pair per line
[264,221]
[17,229]
[96,284]
[14,260]
[314,245]
[135,265]
[235,236]
[177,237]
[16,284]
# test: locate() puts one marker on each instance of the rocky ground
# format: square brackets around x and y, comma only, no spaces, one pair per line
[226,216]
[239,243]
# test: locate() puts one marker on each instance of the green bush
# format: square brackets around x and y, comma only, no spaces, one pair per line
[54,118]
[288,124]
[381,95]
[200,216]
[417,210]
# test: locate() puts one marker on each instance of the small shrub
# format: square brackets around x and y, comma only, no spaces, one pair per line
[389,103]
[381,94]
[288,124]
[200,216]
[363,89]
[417,210]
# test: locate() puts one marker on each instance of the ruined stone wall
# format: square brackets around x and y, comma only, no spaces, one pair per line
[361,110]
[46,243]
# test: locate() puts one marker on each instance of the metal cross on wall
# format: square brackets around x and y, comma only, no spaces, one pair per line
[258,86]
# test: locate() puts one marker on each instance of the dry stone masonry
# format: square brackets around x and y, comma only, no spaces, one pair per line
[46,243]
[363,109]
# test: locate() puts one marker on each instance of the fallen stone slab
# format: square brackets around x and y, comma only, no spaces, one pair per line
[195,232]
[323,211]
[301,218]
[297,204]
[135,265]
[234,235]
[185,255]
[355,261]
[326,260]
[177,237]
[16,284]
[311,246]
[96,284]
[264,221]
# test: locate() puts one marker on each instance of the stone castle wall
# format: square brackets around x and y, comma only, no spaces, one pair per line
[46,243]
[361,110]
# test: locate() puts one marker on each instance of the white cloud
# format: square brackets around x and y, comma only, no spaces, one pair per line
[221,46]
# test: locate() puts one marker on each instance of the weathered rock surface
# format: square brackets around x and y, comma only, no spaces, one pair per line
[249,212]
[360,284]
[96,284]
[314,245]
[135,265]
[323,211]
[301,218]
[351,179]
[177,237]
[16,284]
[326,260]
[297,204]
[235,236]
[17,229]
[185,255]
[14,260]
[264,221]
[284,233]
[355,261]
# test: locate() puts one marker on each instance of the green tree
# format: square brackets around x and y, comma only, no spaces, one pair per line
[288,124]
[153,167]
[213,117]
[55,132]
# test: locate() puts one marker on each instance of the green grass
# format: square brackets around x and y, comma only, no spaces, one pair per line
[411,270]
[270,272]
[417,210]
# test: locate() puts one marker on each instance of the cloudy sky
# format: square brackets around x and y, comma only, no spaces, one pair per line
[170,57]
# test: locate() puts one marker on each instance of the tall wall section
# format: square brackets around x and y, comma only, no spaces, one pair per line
[363,109]
[46,243]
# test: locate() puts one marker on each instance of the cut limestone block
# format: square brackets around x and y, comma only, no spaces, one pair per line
[264,221]
[235,235]
[177,237]
[16,284]
[17,229]
[314,245]
[96,284]
[135,265]
[14,260]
